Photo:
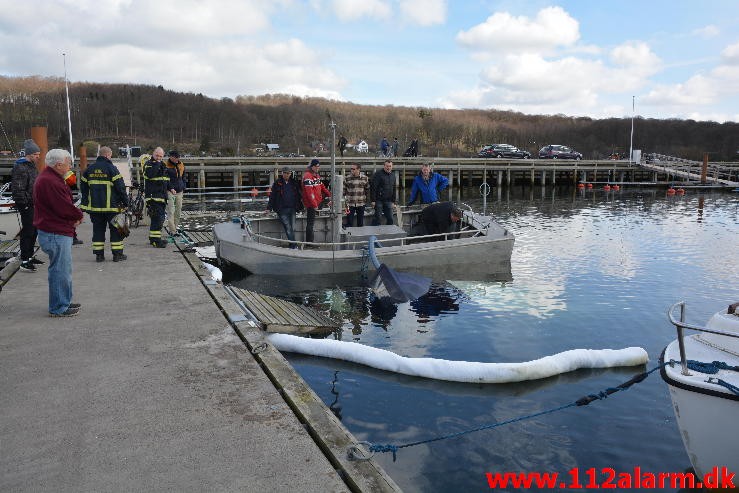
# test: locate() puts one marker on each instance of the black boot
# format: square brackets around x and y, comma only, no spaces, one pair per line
[99,257]
[119,257]
[159,243]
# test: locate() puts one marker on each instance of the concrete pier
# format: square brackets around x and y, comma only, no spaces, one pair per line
[149,388]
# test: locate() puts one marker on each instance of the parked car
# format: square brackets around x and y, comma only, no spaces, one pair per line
[503,150]
[559,152]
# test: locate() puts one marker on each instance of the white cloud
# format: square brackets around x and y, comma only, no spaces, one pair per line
[730,54]
[503,33]
[353,10]
[709,31]
[636,56]
[424,12]
[698,90]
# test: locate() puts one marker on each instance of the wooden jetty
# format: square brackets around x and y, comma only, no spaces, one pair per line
[277,315]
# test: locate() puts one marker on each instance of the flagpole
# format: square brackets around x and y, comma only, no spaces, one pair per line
[631,143]
[69,111]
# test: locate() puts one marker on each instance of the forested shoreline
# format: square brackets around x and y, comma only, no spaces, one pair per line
[145,115]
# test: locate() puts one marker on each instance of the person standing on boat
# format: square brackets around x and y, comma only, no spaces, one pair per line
[176,172]
[428,184]
[104,196]
[285,200]
[55,216]
[23,177]
[314,191]
[439,218]
[156,187]
[383,193]
[356,192]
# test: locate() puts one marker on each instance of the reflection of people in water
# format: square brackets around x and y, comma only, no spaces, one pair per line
[357,299]
[441,298]
[383,311]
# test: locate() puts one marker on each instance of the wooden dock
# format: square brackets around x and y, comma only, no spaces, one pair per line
[277,315]
[200,238]
[9,248]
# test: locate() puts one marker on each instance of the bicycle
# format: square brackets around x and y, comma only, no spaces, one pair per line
[135,203]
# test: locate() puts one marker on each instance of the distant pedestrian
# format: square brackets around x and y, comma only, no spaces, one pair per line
[103,196]
[383,193]
[356,192]
[414,148]
[385,147]
[23,178]
[156,187]
[176,172]
[285,200]
[314,191]
[342,145]
[396,145]
[56,217]
[428,184]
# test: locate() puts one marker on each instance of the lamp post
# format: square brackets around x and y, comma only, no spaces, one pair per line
[631,143]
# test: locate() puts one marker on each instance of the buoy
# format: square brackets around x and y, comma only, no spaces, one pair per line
[681,191]
[254,192]
[670,191]
[590,185]
[607,188]
[580,185]
[616,188]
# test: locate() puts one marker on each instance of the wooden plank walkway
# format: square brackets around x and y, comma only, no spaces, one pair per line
[9,248]
[200,238]
[283,316]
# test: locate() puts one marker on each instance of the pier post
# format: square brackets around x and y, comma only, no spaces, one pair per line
[403,180]
[543,178]
[451,179]
[201,176]
[554,177]
[508,177]
[704,169]
[499,177]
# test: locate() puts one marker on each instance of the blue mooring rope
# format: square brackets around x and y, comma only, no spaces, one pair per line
[710,368]
[583,401]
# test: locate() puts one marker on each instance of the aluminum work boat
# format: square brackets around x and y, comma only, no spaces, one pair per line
[703,379]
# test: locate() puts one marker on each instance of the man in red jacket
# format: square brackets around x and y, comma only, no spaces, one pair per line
[314,192]
[55,218]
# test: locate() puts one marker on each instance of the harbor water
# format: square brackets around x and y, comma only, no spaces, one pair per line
[590,269]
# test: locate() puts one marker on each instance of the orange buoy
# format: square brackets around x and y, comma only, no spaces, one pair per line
[616,188]
[590,185]
[580,185]
[254,192]
[681,191]
[670,191]
[607,188]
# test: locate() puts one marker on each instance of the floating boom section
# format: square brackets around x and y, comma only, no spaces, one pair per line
[461,371]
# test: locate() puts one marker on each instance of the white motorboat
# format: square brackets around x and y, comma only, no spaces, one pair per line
[6,199]
[703,379]
[260,246]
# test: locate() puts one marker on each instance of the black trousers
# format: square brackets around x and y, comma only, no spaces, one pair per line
[101,222]
[156,212]
[310,219]
[28,234]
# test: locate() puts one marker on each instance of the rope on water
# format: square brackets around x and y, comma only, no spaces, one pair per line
[583,401]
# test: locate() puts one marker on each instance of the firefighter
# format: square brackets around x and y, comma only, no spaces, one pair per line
[156,186]
[103,196]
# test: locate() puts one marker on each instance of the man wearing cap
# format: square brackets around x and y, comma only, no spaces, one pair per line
[103,196]
[314,191]
[285,200]
[23,178]
[176,172]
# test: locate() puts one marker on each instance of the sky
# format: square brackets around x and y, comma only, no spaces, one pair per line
[604,58]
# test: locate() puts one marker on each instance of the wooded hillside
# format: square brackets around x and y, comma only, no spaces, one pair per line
[120,114]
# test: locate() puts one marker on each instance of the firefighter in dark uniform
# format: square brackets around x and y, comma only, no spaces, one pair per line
[103,196]
[156,186]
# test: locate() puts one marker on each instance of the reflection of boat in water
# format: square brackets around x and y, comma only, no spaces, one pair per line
[706,396]
[480,245]
[6,199]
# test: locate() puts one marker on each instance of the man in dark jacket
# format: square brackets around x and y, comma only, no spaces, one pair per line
[23,177]
[176,172]
[383,193]
[285,200]
[56,217]
[438,218]
[342,145]
[156,187]
[103,196]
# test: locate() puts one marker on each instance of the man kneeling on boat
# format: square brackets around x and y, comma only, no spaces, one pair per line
[442,217]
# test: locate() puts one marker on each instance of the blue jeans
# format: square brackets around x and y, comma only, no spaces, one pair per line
[59,250]
[383,208]
[287,218]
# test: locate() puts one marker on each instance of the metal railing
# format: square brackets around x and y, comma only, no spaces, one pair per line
[680,325]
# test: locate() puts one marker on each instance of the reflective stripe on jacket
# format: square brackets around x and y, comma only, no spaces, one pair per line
[156,181]
[102,187]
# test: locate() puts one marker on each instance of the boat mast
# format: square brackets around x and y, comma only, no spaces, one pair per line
[631,142]
[335,197]
[69,111]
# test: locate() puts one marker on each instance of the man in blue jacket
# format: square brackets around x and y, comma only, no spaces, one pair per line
[428,184]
